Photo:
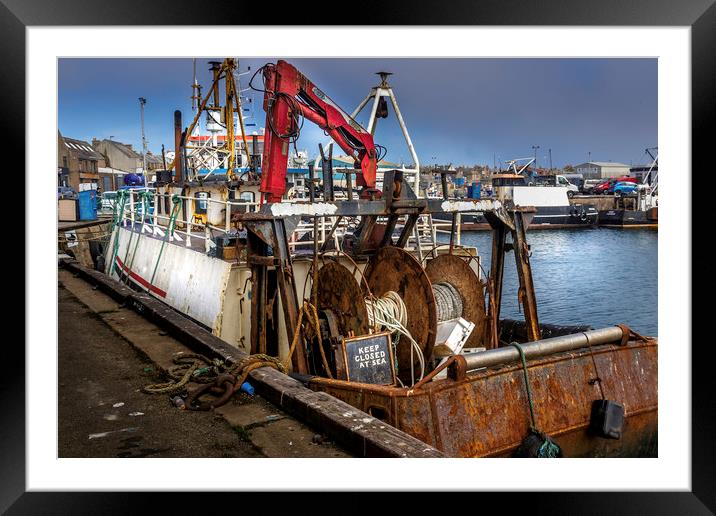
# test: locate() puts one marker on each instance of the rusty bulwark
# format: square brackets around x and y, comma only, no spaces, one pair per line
[486,413]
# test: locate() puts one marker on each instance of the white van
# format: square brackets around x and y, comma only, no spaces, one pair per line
[564,182]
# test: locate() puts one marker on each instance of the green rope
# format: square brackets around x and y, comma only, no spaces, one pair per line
[117,217]
[549,449]
[527,384]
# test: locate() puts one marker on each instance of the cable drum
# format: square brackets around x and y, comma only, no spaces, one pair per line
[394,269]
[448,301]
[466,287]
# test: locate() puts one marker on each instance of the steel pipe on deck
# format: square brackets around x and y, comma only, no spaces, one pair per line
[540,348]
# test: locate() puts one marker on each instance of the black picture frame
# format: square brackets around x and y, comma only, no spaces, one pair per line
[700,15]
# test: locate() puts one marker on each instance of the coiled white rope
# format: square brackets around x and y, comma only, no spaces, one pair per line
[390,313]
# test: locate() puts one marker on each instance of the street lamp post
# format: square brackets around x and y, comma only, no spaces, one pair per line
[534,148]
[143,101]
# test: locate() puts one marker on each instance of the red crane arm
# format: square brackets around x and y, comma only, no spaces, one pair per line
[289,94]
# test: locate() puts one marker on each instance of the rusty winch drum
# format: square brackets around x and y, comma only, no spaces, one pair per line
[396,270]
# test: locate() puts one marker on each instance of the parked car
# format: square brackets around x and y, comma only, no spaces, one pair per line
[66,192]
[624,188]
[589,184]
[108,200]
[603,188]
[626,179]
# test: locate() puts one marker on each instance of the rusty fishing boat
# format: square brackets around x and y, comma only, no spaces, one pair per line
[354,289]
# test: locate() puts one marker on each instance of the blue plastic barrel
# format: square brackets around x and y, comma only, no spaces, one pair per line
[88,205]
[475,190]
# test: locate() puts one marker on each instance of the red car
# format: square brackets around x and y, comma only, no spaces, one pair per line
[607,186]
[603,188]
[627,179]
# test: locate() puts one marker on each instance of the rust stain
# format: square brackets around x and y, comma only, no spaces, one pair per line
[487,414]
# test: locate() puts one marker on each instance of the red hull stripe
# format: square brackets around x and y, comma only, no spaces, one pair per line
[136,277]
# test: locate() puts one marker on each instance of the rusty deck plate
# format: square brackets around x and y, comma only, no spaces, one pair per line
[456,271]
[394,269]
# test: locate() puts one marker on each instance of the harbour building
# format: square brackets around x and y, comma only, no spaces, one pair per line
[602,169]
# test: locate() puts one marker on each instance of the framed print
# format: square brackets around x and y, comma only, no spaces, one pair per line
[253,218]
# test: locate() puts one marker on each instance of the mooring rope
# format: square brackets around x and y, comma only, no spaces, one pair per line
[200,369]
[117,219]
[548,448]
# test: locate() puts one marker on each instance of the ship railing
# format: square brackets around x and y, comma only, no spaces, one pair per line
[188,229]
[303,235]
[444,227]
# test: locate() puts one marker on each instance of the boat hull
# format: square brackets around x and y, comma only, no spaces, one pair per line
[486,413]
[547,217]
[629,218]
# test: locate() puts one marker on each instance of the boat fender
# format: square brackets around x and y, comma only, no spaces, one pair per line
[607,419]
[584,216]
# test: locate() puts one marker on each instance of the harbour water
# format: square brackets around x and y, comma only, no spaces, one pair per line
[594,276]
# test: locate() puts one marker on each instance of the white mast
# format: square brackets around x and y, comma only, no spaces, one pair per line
[376,93]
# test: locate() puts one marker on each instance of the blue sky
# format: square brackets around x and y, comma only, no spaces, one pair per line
[463,111]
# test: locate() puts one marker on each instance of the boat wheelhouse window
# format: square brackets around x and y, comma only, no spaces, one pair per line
[200,203]
[247,196]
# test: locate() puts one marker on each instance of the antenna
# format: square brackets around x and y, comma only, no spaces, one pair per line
[195,90]
[384,78]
